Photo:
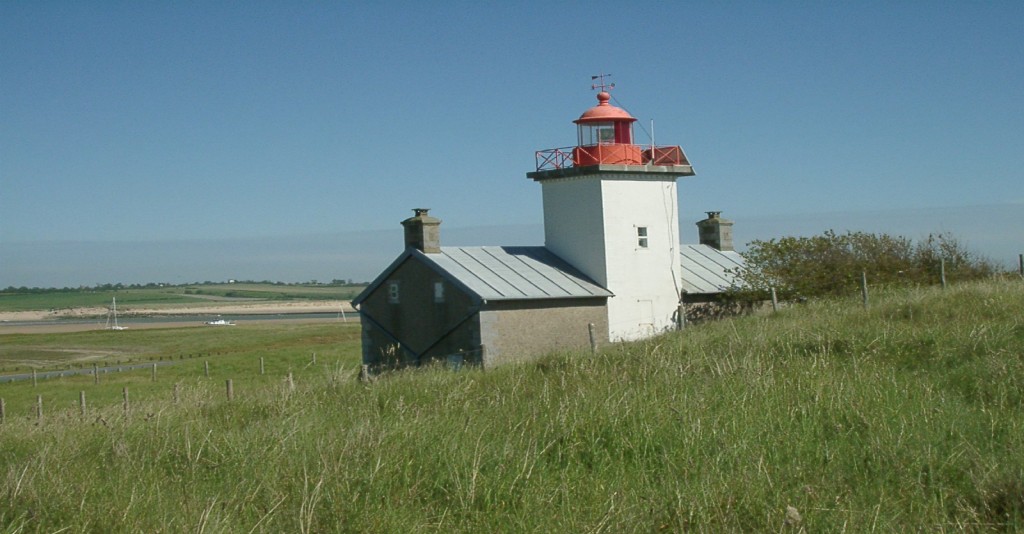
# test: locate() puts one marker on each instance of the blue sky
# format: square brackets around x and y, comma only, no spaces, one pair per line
[128,127]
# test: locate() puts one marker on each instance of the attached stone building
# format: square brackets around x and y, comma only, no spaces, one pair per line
[709,268]
[479,305]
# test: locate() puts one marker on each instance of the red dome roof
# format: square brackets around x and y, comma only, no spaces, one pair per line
[604,112]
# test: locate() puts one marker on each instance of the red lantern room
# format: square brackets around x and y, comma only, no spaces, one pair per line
[605,140]
[605,136]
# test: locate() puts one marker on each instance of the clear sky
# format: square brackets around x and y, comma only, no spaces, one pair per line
[128,126]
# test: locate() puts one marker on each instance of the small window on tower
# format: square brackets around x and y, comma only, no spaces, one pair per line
[641,236]
[393,291]
[438,292]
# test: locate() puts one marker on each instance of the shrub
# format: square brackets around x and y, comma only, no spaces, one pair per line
[831,264]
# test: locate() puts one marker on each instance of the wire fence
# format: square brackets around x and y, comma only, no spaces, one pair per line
[57,402]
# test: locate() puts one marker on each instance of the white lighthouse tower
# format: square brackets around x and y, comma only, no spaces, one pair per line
[610,209]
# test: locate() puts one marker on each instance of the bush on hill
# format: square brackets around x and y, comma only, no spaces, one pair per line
[831,264]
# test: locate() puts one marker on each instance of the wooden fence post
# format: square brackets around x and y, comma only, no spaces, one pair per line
[1020,264]
[206,368]
[942,271]
[263,369]
[81,402]
[124,394]
[681,316]
[290,382]
[231,390]
[34,382]
[177,392]
[864,287]
[95,374]
[39,408]
[775,301]
[593,338]
[313,361]
[3,411]
[154,372]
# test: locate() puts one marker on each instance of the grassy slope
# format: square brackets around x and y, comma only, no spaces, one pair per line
[905,416]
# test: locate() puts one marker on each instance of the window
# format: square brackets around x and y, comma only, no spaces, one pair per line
[438,292]
[641,237]
[601,133]
[393,291]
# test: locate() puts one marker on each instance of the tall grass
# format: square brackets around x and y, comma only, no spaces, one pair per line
[905,416]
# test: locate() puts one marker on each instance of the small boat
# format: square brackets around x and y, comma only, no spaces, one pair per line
[112,313]
[220,322]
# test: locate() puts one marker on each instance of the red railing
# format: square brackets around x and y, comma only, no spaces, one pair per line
[554,158]
[562,158]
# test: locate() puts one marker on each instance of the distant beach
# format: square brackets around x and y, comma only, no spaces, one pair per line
[77,319]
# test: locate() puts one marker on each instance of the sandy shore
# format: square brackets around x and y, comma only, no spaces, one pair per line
[248,308]
[61,327]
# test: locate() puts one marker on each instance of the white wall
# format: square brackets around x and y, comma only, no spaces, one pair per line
[592,221]
[574,225]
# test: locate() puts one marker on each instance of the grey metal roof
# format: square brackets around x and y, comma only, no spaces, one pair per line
[515,273]
[704,268]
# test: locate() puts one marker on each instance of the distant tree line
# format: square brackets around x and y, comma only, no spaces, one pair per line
[831,264]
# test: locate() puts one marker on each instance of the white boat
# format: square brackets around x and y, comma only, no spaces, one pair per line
[220,322]
[112,313]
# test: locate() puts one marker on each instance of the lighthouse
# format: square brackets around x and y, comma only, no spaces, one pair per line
[611,211]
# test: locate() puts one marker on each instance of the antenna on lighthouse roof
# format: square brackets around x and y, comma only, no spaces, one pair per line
[603,86]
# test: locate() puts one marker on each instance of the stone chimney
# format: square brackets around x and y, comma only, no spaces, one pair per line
[716,231]
[423,232]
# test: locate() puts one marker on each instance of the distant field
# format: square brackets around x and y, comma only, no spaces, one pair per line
[23,352]
[171,295]
[230,353]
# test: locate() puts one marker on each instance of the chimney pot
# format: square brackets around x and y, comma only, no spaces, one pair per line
[423,232]
[715,231]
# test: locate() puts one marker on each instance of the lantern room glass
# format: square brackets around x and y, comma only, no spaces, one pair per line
[605,133]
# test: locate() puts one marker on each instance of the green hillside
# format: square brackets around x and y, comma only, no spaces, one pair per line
[823,417]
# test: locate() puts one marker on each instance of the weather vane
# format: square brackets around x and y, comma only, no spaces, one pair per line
[602,85]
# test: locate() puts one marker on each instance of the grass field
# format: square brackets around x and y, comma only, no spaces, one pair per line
[824,417]
[202,294]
